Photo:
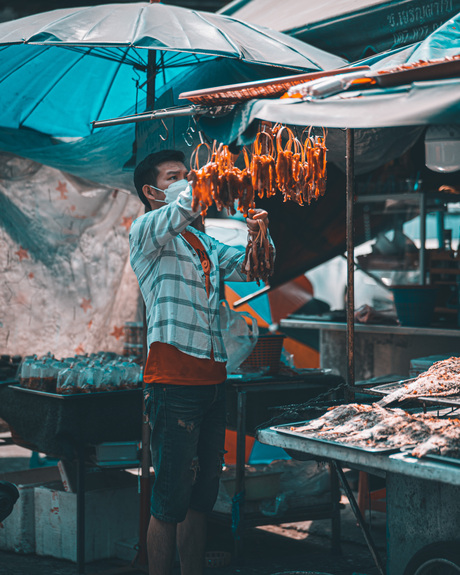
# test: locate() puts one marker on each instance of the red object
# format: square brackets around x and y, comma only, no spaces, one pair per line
[230,447]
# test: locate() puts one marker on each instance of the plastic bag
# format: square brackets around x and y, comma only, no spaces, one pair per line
[239,338]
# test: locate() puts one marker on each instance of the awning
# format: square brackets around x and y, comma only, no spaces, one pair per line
[352,29]
[418,104]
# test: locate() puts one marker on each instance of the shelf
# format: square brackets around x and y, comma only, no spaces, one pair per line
[412,197]
[445,310]
[447,271]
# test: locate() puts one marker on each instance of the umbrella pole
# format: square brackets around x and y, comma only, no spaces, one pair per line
[350,261]
[145,487]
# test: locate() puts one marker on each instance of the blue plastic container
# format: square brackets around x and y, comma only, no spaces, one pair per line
[414,304]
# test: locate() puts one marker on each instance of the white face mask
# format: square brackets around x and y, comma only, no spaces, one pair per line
[172,192]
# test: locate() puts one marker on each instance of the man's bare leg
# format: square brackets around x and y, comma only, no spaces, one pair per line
[161,546]
[191,542]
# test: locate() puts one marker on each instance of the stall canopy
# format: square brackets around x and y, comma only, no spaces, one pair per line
[352,29]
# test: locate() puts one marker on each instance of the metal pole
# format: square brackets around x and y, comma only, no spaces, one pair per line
[145,450]
[81,472]
[239,497]
[359,517]
[174,112]
[350,259]
[422,239]
[144,517]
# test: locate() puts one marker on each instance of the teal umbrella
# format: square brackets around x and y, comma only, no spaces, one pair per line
[62,69]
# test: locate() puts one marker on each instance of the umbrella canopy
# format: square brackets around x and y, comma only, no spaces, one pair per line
[93,61]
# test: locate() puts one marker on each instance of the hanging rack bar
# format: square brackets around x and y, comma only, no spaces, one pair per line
[191,110]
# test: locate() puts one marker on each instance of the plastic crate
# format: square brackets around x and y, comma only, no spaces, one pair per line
[266,353]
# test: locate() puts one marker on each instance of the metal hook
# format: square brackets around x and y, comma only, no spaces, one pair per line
[188,138]
[203,138]
[164,138]
[190,128]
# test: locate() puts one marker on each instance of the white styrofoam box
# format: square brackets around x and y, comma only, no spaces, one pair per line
[127,549]
[111,515]
[17,532]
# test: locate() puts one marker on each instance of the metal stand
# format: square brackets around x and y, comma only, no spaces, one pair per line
[238,499]
[350,262]
[81,473]
[359,517]
[238,503]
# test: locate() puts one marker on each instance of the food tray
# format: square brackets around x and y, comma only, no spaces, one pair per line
[387,388]
[285,429]
[271,88]
[435,71]
[441,458]
[69,396]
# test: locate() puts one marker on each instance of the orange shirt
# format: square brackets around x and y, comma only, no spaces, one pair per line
[166,364]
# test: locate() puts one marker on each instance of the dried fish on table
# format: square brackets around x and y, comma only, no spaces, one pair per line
[373,426]
[441,379]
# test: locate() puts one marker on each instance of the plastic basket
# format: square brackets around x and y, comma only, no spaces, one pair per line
[266,353]
[414,304]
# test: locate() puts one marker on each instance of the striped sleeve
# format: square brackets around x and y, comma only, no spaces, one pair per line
[155,229]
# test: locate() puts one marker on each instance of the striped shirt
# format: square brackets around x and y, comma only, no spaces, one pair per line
[172,280]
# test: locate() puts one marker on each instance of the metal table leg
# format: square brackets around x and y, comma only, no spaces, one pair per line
[80,511]
[359,517]
[238,499]
[335,519]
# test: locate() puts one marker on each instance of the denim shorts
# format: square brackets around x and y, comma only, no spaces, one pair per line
[187,447]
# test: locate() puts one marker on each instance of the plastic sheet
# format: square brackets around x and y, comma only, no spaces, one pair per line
[67,285]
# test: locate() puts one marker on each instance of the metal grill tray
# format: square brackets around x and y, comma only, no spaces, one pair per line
[441,458]
[387,388]
[287,431]
[74,395]
[433,71]
[271,88]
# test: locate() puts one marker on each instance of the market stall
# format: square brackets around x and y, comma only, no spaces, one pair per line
[414,98]
[414,106]
[63,406]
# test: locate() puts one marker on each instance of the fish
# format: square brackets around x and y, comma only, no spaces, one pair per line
[440,380]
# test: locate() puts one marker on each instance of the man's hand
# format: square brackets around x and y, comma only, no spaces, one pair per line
[254,215]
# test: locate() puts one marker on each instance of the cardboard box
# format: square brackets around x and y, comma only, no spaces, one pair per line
[111,515]
[17,532]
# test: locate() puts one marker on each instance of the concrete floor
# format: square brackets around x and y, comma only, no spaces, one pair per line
[297,547]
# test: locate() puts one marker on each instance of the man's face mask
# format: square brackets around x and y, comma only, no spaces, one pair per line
[172,192]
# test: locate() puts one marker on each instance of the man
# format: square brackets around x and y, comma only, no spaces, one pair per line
[179,270]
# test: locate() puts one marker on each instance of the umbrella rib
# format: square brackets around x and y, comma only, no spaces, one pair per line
[106,54]
[261,31]
[227,38]
[110,85]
